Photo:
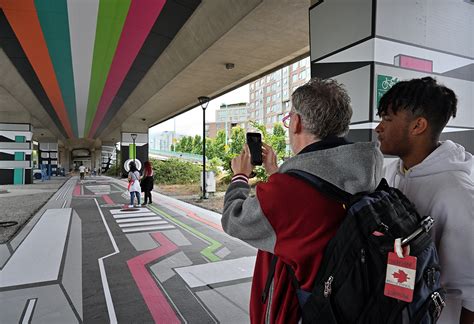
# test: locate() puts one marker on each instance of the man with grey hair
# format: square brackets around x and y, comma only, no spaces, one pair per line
[287,217]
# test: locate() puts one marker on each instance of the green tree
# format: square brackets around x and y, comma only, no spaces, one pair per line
[220,145]
[237,140]
[278,141]
[211,151]
[197,145]
[189,145]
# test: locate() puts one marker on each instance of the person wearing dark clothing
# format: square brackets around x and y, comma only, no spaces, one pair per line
[147,182]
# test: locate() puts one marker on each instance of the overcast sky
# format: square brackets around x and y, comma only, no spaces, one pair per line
[190,123]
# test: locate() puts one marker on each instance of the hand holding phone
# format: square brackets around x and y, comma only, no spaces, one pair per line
[254,141]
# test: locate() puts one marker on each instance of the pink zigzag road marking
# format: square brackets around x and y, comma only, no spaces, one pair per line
[77,191]
[196,217]
[156,301]
[107,199]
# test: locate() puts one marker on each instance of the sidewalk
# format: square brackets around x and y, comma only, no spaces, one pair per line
[84,258]
[19,203]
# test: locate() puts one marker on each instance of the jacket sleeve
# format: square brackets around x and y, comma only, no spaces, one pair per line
[455,241]
[243,218]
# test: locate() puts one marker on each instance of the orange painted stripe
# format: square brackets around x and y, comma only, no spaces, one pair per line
[22,16]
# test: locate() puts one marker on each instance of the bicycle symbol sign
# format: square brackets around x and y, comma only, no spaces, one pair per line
[384,83]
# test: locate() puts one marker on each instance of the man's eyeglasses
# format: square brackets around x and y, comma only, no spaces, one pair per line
[286,119]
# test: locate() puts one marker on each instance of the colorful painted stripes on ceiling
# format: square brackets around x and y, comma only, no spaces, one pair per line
[81,52]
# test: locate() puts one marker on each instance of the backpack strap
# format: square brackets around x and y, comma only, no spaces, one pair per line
[323,186]
[271,273]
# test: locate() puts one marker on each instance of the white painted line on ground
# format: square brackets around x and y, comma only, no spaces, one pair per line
[30,306]
[129,215]
[124,211]
[103,274]
[143,223]
[147,228]
[215,272]
[137,219]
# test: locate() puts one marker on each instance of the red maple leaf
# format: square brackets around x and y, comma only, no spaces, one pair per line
[401,276]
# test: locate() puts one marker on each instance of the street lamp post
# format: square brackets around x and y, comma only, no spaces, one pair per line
[204,101]
[134,150]
[116,159]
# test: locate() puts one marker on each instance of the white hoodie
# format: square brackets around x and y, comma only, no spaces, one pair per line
[442,186]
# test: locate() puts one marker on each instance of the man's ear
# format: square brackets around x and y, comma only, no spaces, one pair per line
[419,126]
[297,123]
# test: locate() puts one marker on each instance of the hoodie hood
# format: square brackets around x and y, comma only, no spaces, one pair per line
[449,156]
[353,168]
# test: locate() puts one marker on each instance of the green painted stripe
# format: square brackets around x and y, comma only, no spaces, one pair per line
[20,139]
[207,252]
[132,151]
[110,21]
[53,18]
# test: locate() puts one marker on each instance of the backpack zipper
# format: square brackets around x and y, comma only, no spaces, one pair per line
[327,286]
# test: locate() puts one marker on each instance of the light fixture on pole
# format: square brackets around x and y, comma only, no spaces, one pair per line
[134,150]
[204,101]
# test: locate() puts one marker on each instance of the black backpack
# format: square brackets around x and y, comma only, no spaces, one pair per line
[349,286]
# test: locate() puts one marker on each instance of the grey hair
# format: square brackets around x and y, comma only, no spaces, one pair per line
[324,107]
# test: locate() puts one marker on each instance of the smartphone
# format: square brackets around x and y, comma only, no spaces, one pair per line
[254,141]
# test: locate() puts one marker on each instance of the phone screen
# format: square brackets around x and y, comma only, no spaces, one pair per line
[254,141]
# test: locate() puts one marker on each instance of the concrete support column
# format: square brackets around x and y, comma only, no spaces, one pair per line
[15,153]
[49,156]
[389,41]
[129,152]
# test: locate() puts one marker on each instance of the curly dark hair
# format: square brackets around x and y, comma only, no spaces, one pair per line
[423,98]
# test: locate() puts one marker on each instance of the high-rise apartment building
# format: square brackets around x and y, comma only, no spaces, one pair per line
[270,100]
[270,96]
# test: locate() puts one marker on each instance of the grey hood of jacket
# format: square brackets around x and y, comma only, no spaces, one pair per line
[353,167]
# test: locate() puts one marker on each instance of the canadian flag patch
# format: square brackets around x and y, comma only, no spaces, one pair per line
[400,277]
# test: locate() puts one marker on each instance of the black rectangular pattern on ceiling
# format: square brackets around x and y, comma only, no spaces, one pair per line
[173,16]
[12,48]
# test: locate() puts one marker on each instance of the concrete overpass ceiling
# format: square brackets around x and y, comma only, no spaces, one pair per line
[101,67]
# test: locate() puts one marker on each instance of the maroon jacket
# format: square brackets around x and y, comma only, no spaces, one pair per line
[292,220]
[292,206]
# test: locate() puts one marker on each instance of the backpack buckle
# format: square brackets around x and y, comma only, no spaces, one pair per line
[438,303]
[425,226]
[427,223]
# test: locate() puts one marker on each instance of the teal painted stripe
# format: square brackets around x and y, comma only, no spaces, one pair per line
[18,176]
[110,21]
[20,139]
[19,156]
[18,173]
[54,22]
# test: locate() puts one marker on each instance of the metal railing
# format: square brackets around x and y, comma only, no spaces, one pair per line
[179,155]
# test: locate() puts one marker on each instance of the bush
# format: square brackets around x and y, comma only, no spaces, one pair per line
[113,172]
[175,171]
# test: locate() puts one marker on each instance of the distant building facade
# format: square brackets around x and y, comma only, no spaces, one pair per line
[270,96]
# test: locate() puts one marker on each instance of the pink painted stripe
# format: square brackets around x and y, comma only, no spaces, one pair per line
[159,307]
[77,190]
[107,199]
[198,218]
[140,19]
